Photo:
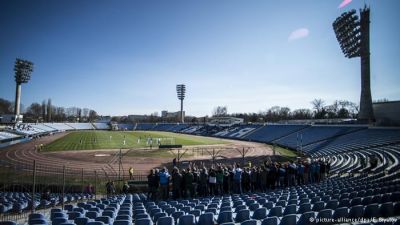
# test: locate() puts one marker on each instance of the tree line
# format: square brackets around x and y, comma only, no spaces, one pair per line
[339,109]
[47,112]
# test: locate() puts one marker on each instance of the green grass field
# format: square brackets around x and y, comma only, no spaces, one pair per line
[86,140]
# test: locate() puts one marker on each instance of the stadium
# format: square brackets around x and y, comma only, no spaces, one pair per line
[337,164]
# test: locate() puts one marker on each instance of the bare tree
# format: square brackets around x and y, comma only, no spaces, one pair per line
[5,106]
[92,115]
[220,111]
[49,110]
[44,110]
[319,107]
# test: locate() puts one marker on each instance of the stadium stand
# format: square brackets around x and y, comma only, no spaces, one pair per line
[81,126]
[164,126]
[270,133]
[59,126]
[4,135]
[145,126]
[191,129]
[238,131]
[125,126]
[314,134]
[178,127]
[101,126]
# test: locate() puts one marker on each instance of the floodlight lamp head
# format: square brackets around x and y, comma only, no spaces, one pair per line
[23,70]
[348,33]
[181,90]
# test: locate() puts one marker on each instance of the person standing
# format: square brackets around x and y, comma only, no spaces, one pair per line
[237,179]
[188,179]
[220,181]
[212,182]
[164,183]
[176,183]
[130,173]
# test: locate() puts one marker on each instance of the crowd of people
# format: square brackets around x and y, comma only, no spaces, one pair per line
[200,181]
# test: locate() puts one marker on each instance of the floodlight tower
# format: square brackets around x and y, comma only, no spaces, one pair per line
[181,90]
[352,34]
[23,70]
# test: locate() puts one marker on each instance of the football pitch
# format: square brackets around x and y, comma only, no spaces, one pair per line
[87,140]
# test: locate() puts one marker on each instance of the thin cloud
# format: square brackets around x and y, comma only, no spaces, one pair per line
[344,3]
[298,34]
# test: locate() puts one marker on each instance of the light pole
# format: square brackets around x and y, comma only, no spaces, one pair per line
[352,34]
[181,90]
[23,70]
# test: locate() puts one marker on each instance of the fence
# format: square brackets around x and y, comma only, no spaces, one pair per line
[35,179]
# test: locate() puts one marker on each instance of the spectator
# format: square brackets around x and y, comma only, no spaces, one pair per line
[152,182]
[176,183]
[237,179]
[188,179]
[110,188]
[254,178]
[125,188]
[203,180]
[220,181]
[212,182]
[164,183]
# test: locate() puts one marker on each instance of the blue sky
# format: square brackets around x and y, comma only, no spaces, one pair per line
[125,57]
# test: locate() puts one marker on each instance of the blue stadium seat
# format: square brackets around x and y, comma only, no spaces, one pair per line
[212,210]
[57,215]
[242,215]
[73,215]
[325,214]
[81,220]
[254,206]
[342,212]
[260,213]
[249,222]
[171,210]
[225,217]
[386,209]
[187,220]
[123,217]
[95,223]
[305,218]
[177,215]
[344,202]
[318,206]
[240,207]
[92,214]
[273,220]
[104,219]
[142,216]
[290,209]
[371,211]
[58,220]
[166,220]
[356,211]
[288,220]
[159,215]
[122,222]
[306,207]
[144,221]
[276,211]
[206,219]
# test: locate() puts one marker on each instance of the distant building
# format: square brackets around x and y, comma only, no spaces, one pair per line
[387,113]
[166,114]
